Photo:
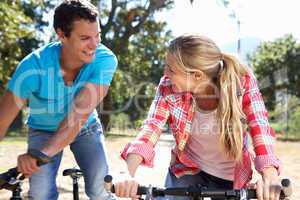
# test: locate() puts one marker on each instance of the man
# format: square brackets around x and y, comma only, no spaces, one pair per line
[62,83]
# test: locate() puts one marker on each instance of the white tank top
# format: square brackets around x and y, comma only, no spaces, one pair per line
[203,147]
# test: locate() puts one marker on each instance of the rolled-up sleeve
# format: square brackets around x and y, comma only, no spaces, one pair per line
[262,134]
[141,148]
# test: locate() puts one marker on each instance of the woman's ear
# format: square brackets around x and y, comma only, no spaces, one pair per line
[198,75]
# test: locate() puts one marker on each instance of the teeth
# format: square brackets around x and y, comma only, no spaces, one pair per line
[89,53]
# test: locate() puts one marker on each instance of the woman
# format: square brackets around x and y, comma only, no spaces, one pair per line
[209,99]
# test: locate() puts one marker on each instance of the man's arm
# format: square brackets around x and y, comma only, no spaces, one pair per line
[10,106]
[84,104]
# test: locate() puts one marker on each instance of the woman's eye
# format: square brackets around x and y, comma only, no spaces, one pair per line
[169,68]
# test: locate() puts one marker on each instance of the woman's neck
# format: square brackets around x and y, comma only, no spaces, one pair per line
[207,104]
[207,99]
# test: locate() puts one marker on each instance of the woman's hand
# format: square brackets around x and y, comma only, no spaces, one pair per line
[269,187]
[126,186]
[133,161]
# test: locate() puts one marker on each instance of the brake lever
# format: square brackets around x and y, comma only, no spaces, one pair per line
[149,193]
[243,194]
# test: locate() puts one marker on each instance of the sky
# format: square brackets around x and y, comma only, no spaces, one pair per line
[264,19]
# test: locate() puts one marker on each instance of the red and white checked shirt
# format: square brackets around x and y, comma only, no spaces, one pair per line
[178,110]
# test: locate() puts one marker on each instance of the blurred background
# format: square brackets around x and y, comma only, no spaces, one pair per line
[264,34]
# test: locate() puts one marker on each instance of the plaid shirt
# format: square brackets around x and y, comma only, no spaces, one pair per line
[179,108]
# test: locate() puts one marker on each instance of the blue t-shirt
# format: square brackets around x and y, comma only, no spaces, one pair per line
[38,78]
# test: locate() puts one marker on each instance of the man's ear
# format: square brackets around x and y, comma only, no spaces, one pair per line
[60,34]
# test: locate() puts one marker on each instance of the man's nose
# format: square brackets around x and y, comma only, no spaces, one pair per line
[93,43]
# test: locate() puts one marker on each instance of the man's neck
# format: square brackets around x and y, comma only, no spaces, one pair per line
[67,62]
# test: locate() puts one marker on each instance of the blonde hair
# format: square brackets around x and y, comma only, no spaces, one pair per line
[194,53]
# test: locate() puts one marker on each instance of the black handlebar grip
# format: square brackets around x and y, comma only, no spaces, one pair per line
[108,179]
[286,190]
[41,158]
[251,194]
[108,184]
[286,187]
[142,190]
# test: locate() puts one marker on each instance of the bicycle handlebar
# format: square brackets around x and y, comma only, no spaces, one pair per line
[198,191]
[10,178]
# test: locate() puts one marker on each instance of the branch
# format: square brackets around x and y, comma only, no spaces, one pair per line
[135,29]
[154,5]
[112,13]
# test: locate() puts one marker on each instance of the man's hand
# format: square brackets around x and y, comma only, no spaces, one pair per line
[27,165]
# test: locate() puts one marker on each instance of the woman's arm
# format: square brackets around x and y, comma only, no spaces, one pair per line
[143,145]
[263,138]
[257,117]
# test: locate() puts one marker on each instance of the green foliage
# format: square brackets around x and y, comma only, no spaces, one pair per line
[19,23]
[276,64]
[36,11]
[140,69]
[139,41]
[288,127]
[289,130]
[13,24]
[294,125]
[129,28]
[120,121]
[22,24]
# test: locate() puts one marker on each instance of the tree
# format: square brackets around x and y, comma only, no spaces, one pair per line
[12,27]
[277,64]
[20,22]
[36,11]
[139,41]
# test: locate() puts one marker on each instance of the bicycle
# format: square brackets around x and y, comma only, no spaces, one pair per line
[75,174]
[199,193]
[12,179]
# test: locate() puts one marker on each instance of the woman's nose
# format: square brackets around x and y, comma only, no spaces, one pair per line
[166,71]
